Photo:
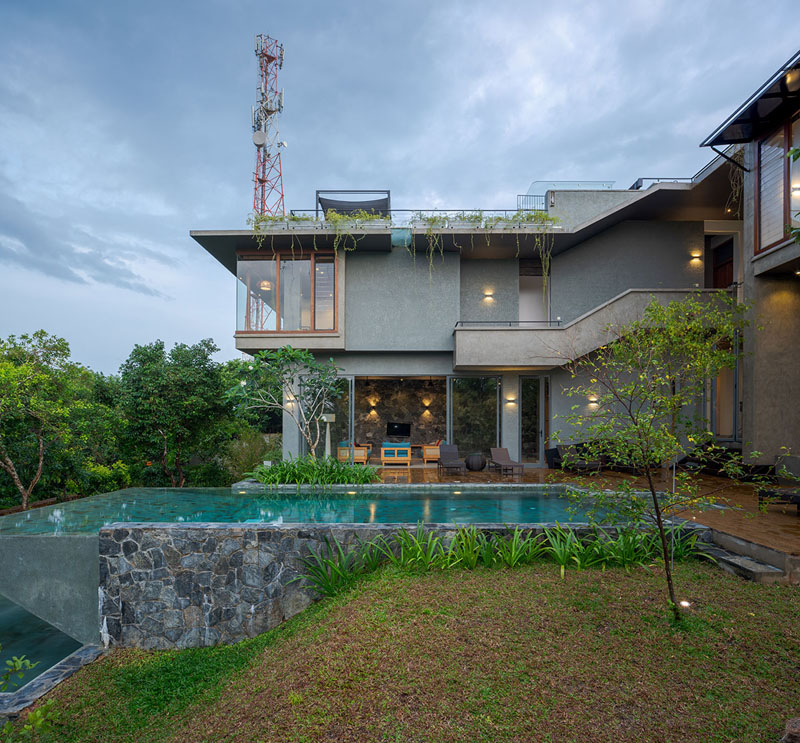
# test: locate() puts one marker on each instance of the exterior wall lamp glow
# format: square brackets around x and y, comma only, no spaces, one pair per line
[488,295]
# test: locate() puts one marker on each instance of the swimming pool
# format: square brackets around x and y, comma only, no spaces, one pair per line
[460,505]
[22,633]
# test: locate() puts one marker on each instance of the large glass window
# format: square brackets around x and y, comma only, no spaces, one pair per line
[794,178]
[286,293]
[778,186]
[770,192]
[529,418]
[474,413]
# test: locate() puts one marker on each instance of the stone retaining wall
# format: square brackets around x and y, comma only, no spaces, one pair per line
[175,586]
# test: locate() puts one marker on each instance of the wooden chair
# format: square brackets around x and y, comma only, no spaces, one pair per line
[356,454]
[430,453]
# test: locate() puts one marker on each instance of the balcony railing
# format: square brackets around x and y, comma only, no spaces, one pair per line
[531,201]
[454,219]
[533,324]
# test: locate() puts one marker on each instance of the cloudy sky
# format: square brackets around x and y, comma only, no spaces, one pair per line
[125,125]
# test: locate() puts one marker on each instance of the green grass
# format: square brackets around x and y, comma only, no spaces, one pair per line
[473,655]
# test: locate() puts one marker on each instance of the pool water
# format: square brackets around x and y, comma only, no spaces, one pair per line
[22,633]
[460,506]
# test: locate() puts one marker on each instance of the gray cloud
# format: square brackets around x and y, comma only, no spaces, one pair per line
[122,127]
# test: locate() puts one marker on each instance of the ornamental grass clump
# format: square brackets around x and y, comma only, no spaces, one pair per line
[310,470]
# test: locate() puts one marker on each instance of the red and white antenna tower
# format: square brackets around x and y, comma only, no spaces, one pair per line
[268,178]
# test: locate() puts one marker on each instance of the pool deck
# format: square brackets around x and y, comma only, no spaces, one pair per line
[778,527]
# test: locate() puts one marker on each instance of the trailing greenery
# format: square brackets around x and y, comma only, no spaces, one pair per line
[310,470]
[332,569]
[38,721]
[346,226]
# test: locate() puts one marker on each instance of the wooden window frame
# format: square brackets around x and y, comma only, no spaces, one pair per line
[278,256]
[787,191]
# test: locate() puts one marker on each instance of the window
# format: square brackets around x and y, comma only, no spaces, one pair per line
[778,186]
[286,293]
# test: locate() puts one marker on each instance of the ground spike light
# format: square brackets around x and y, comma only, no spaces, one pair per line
[268,177]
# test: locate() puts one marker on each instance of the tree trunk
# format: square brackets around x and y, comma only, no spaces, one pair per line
[8,466]
[164,467]
[676,611]
[178,467]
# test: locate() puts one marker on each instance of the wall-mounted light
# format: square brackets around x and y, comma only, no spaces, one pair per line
[592,401]
[265,286]
[696,255]
[797,273]
[488,295]
[796,190]
[511,400]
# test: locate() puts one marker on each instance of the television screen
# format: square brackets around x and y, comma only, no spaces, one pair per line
[398,429]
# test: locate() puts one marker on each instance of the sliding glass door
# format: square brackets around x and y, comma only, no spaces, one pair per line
[474,404]
[533,417]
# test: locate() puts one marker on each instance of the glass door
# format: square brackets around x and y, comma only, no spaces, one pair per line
[533,418]
[474,414]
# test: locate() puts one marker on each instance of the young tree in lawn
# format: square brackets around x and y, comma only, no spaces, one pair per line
[294,382]
[34,389]
[170,400]
[641,403]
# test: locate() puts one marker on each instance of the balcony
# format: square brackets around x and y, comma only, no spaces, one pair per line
[546,345]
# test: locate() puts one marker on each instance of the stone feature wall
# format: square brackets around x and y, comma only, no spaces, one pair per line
[168,586]
[420,402]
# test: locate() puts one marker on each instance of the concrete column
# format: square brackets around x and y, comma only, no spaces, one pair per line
[509,415]
[292,438]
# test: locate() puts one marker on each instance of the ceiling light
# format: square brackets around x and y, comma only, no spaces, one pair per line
[265,286]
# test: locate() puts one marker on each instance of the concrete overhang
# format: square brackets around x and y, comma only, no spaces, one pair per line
[224,244]
[774,102]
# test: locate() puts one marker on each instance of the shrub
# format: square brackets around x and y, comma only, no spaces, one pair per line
[309,470]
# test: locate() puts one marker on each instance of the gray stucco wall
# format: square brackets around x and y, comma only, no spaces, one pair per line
[574,208]
[631,255]
[394,303]
[771,363]
[501,278]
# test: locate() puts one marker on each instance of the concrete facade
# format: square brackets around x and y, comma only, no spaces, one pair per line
[457,313]
[771,366]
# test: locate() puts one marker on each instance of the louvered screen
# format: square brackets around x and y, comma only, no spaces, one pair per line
[771,190]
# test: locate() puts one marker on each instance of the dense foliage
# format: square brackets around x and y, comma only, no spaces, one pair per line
[311,470]
[333,569]
[292,382]
[164,421]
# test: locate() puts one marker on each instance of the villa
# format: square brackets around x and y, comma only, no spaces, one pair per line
[457,326]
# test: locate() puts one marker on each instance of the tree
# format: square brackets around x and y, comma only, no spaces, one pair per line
[171,400]
[34,389]
[292,381]
[645,388]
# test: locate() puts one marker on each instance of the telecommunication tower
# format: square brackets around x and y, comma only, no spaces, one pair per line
[268,178]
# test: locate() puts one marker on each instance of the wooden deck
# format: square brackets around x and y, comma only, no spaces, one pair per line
[778,527]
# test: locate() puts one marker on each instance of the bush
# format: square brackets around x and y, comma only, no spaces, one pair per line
[332,570]
[312,471]
[248,450]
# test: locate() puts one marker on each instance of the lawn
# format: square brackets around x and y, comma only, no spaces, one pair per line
[489,655]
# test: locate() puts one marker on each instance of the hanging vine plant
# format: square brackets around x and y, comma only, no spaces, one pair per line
[434,224]
[736,179]
[263,225]
[346,226]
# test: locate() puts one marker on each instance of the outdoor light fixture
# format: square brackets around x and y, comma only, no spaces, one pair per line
[685,604]
[265,286]
[696,255]
[488,295]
